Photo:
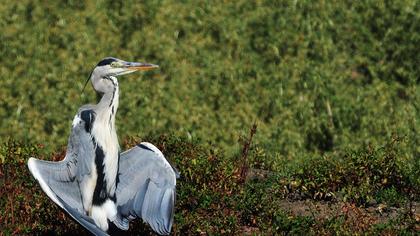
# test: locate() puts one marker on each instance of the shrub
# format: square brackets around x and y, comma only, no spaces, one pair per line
[357,176]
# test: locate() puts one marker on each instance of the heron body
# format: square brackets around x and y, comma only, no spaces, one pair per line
[98,189]
[95,183]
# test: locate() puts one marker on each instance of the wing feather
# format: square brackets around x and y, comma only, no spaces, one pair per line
[60,180]
[146,189]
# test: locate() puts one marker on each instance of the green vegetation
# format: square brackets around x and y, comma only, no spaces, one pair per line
[333,89]
[212,199]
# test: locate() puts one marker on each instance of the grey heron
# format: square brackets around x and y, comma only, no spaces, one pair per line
[95,183]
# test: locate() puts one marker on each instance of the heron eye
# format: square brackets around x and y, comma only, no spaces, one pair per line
[114,64]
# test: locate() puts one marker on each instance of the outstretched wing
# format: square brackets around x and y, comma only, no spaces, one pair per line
[146,188]
[60,180]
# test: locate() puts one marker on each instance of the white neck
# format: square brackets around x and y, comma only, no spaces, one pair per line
[108,105]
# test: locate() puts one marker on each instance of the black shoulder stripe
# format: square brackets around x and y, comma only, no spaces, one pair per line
[88,116]
[144,147]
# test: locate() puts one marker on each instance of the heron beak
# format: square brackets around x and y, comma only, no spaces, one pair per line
[135,66]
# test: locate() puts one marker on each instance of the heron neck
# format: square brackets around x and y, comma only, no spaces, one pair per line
[109,100]
[108,105]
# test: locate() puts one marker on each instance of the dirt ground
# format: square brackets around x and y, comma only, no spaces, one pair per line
[358,218]
[379,213]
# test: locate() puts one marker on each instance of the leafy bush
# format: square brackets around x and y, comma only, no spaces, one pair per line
[391,196]
[211,199]
[358,176]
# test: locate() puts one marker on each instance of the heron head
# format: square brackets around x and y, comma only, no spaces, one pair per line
[103,75]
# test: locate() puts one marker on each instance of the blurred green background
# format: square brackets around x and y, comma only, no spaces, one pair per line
[316,77]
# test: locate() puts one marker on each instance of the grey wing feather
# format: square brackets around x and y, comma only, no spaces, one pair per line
[84,220]
[60,180]
[146,188]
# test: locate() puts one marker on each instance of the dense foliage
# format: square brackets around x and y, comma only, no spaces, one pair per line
[212,199]
[332,87]
[317,77]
